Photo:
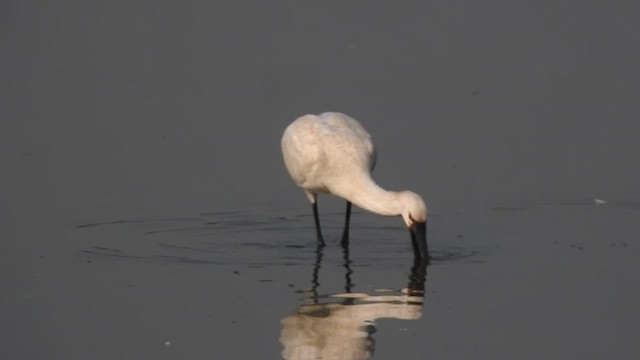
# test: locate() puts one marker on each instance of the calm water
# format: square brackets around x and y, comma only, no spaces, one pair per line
[146,212]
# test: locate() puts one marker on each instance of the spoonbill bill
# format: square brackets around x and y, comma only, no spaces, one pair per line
[332,153]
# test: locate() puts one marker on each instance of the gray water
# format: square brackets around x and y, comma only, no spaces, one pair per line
[146,212]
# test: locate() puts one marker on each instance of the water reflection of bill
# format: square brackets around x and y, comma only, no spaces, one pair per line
[340,326]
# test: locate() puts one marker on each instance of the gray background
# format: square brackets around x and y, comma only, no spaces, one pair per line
[510,118]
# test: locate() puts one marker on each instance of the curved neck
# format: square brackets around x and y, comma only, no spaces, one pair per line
[366,194]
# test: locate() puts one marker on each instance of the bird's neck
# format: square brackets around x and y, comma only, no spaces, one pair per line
[366,194]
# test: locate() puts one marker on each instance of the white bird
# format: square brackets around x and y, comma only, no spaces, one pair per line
[332,153]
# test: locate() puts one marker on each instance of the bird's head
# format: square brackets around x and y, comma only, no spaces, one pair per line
[414,214]
[414,209]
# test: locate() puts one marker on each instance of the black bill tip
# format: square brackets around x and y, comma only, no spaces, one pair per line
[419,241]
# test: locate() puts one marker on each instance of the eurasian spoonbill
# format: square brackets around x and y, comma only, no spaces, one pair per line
[332,153]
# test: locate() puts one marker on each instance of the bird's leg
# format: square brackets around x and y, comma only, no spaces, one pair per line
[317,219]
[345,232]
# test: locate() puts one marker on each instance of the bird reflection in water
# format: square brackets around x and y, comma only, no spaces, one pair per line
[340,326]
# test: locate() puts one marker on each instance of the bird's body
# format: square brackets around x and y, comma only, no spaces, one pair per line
[329,153]
[333,153]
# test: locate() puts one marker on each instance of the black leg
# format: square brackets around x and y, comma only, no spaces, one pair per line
[317,218]
[345,232]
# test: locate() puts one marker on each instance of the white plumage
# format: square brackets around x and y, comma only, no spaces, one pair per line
[333,153]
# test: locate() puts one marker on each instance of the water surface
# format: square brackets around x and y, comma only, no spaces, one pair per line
[146,212]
